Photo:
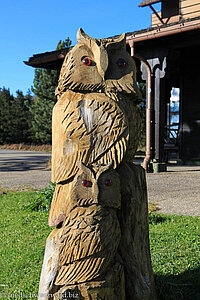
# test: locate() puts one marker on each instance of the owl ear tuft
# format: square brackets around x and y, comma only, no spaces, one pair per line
[121,39]
[88,171]
[120,42]
[104,168]
[82,37]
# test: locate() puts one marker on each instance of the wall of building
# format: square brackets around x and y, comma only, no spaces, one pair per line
[187,9]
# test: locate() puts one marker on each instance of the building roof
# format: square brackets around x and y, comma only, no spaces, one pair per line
[164,30]
[147,2]
[48,60]
[53,60]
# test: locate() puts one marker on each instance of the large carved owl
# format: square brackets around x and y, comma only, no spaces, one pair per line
[84,248]
[96,118]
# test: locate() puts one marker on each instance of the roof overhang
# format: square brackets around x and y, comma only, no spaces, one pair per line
[148,2]
[48,60]
[163,31]
[53,60]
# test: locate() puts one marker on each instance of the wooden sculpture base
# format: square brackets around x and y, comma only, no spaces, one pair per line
[134,246]
[129,275]
[112,287]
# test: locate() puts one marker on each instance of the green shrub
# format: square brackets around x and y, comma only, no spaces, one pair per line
[43,199]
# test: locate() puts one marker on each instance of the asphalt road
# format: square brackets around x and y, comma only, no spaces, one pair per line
[175,192]
[21,170]
[22,157]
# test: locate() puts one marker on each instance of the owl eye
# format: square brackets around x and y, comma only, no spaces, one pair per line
[108,182]
[86,61]
[86,183]
[121,63]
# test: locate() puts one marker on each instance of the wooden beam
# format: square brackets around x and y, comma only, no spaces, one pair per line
[48,60]
[155,12]
[147,2]
[165,31]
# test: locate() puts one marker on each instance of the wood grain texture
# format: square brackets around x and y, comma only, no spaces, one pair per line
[99,249]
[102,252]
[81,250]
[96,117]
[134,246]
[86,128]
[104,72]
[91,128]
[87,250]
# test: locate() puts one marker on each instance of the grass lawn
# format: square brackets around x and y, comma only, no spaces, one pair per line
[22,241]
[175,251]
[175,254]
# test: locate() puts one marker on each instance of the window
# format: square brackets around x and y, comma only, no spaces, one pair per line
[170,8]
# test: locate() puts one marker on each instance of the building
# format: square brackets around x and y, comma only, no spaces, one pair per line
[167,56]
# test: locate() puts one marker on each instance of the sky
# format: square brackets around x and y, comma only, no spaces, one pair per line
[30,27]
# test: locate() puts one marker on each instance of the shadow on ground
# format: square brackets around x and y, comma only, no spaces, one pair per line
[24,158]
[18,167]
[185,286]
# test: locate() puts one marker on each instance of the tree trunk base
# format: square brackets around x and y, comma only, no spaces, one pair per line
[134,246]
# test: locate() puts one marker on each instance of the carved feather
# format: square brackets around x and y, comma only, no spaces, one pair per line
[87,250]
[94,129]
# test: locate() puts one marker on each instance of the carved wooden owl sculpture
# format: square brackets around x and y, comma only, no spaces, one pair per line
[95,120]
[84,249]
[97,248]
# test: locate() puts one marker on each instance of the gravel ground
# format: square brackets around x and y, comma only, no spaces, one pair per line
[176,191]
[27,179]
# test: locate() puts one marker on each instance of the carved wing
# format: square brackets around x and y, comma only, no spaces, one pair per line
[89,128]
[87,249]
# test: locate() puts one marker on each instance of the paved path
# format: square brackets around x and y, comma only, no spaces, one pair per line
[22,157]
[175,192]
[24,169]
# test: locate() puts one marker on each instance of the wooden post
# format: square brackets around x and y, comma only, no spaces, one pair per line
[160,108]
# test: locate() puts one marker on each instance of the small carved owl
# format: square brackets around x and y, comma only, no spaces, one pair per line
[96,119]
[84,248]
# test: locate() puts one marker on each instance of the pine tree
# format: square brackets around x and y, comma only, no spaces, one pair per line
[45,83]
[7,121]
[14,117]
[64,44]
[24,117]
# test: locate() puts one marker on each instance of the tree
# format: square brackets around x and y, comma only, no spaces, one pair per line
[5,115]
[45,83]
[14,117]
[24,117]
[64,44]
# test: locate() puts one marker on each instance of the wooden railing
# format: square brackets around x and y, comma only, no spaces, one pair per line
[171,144]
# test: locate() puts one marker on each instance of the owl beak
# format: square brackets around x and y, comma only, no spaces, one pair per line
[101,58]
[95,192]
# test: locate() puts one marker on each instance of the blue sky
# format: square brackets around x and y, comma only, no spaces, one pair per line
[29,27]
